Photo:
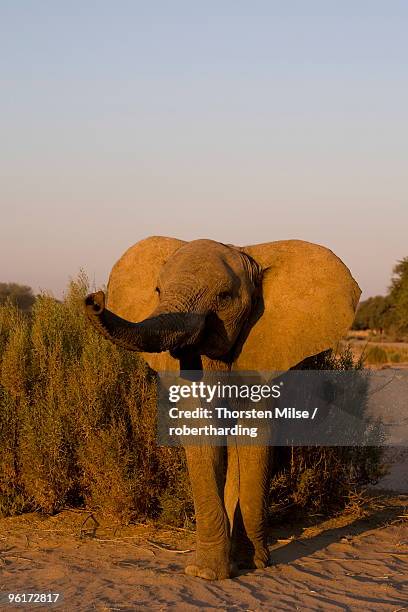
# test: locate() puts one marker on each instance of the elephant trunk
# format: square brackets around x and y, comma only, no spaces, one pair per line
[159,332]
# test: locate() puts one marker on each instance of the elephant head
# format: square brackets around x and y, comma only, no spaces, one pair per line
[262,307]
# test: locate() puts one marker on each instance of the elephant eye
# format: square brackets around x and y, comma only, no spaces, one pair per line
[224,297]
[157,290]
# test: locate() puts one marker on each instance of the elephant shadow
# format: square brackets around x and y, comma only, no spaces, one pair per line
[297,549]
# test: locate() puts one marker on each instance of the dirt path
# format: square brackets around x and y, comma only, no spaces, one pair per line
[342,564]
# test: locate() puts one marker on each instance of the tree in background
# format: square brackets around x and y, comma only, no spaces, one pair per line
[371,313]
[388,313]
[21,295]
[396,320]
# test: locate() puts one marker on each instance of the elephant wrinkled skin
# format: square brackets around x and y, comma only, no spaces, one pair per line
[215,307]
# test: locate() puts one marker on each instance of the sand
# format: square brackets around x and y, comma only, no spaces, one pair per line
[347,563]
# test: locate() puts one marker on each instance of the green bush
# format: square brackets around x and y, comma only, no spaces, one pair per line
[376,355]
[78,427]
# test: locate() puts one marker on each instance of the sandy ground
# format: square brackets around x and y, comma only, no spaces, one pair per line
[346,563]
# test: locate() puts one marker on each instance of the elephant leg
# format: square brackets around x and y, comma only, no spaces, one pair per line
[206,467]
[249,538]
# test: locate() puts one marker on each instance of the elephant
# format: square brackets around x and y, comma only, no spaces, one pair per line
[207,306]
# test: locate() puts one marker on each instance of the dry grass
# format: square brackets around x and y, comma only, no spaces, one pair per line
[377,355]
[376,350]
[77,417]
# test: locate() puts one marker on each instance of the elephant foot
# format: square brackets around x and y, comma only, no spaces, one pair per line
[211,563]
[261,558]
[248,558]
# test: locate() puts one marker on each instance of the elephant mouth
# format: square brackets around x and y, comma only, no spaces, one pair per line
[189,358]
[190,355]
[216,343]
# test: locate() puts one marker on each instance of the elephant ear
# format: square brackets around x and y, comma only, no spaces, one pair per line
[132,287]
[308,303]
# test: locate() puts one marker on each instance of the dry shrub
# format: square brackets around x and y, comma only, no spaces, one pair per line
[321,479]
[13,380]
[77,417]
[106,461]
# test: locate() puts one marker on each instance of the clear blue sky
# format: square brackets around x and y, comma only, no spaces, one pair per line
[239,121]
